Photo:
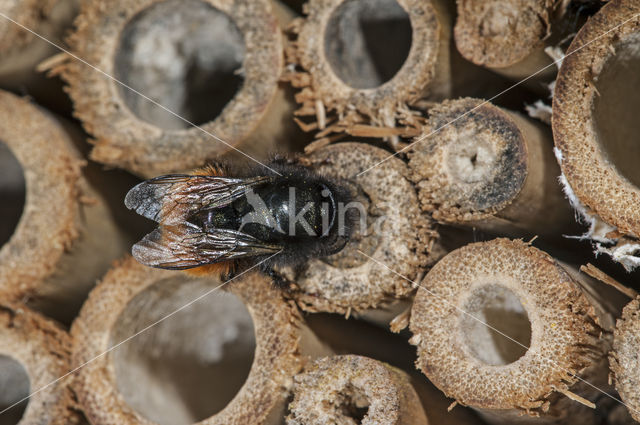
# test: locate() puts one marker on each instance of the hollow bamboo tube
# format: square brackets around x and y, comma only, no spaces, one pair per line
[65,238]
[489,168]
[355,336]
[215,63]
[595,123]
[624,361]
[507,37]
[525,294]
[388,226]
[34,353]
[352,389]
[228,358]
[368,62]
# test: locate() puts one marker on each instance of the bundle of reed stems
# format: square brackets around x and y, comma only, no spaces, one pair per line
[481,177]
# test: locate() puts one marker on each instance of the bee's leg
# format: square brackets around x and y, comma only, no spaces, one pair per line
[230,273]
[277,279]
[279,158]
[237,268]
[292,158]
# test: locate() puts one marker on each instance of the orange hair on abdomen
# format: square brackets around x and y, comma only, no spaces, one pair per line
[214,269]
[223,267]
[209,170]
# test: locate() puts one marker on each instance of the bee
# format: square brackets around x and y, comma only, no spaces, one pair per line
[215,221]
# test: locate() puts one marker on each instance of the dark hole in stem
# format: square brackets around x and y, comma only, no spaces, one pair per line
[354,403]
[508,335]
[185,55]
[367,42]
[191,366]
[14,386]
[356,413]
[12,193]
[616,106]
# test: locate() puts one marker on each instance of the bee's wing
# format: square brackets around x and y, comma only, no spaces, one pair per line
[167,199]
[185,246]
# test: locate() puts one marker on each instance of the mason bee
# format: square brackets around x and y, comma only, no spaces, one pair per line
[217,221]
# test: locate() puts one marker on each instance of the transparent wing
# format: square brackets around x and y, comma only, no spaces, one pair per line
[169,199]
[185,246]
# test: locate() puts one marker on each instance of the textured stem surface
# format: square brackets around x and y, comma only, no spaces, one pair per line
[554,330]
[34,353]
[624,360]
[65,238]
[353,336]
[368,62]
[489,168]
[228,358]
[21,51]
[506,36]
[215,63]
[388,226]
[595,123]
[350,390]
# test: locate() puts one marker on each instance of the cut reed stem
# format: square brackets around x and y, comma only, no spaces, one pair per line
[595,124]
[62,236]
[503,328]
[485,167]
[388,225]
[505,36]
[352,389]
[625,364]
[212,63]
[227,359]
[35,352]
[369,62]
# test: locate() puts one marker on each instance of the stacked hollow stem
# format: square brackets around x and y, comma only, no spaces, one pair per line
[61,235]
[479,165]
[21,50]
[367,63]
[35,352]
[501,327]
[387,224]
[172,65]
[625,364]
[205,351]
[349,389]
[595,126]
[507,36]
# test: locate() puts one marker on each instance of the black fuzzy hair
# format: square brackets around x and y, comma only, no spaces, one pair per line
[299,253]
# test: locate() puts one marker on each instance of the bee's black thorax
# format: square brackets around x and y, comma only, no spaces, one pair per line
[297,212]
